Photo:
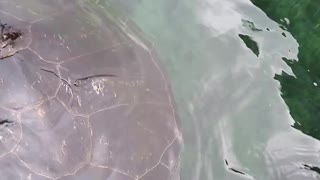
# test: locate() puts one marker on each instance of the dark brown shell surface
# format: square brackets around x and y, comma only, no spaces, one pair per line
[82,96]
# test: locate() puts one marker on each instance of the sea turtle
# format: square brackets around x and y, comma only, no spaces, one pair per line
[82,96]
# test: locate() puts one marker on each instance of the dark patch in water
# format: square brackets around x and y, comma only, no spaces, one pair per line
[312,168]
[250,43]
[250,25]
[233,169]
[284,34]
[237,171]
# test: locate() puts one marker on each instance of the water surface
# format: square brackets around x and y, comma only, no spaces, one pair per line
[245,76]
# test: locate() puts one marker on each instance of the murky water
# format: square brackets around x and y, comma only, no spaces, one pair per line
[241,75]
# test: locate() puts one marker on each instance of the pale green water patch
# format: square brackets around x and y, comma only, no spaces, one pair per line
[235,123]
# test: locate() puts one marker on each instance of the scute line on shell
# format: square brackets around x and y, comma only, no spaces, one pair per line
[113,169]
[107,108]
[20,138]
[3,12]
[93,52]
[157,66]
[164,151]
[52,15]
[30,169]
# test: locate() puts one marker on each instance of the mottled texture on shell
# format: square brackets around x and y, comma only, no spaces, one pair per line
[82,96]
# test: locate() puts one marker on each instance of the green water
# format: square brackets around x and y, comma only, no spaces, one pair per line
[245,77]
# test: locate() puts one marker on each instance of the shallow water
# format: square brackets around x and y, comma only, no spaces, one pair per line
[245,78]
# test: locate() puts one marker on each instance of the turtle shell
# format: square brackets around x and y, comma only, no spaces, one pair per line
[82,96]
